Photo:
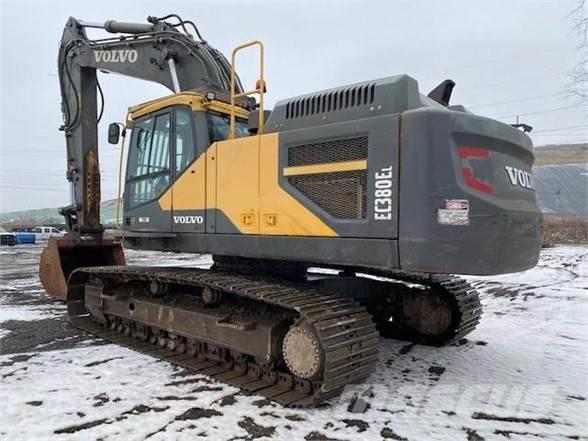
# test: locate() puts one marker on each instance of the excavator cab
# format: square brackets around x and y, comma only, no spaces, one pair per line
[167,148]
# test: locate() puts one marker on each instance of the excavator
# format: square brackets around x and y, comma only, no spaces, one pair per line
[334,219]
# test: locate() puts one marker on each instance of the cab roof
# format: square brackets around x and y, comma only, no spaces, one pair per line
[196,100]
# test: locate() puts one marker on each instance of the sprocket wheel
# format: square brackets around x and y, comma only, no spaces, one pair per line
[302,352]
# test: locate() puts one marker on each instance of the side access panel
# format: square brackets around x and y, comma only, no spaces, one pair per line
[237,186]
[346,174]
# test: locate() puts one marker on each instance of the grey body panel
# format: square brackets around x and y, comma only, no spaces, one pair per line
[372,253]
[148,217]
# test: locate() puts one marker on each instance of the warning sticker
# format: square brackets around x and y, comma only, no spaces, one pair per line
[455,212]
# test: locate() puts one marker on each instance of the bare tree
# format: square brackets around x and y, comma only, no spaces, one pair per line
[578,85]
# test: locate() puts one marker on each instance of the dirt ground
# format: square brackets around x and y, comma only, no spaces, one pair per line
[565,230]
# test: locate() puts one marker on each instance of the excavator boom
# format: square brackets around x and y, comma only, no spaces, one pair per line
[164,51]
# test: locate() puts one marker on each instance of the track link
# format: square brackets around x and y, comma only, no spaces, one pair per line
[345,330]
[462,299]
[465,304]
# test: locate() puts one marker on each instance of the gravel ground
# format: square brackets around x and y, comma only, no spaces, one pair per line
[520,376]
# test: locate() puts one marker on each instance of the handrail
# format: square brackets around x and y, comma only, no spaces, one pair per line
[259,87]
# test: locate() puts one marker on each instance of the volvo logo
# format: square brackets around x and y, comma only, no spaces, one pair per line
[116,56]
[188,219]
[520,178]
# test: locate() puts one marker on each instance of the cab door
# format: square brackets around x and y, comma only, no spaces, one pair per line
[188,194]
[149,174]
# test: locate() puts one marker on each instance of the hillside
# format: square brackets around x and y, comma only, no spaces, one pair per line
[51,216]
[561,154]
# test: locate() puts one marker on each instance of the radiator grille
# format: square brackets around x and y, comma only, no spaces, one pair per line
[341,194]
[331,101]
[350,149]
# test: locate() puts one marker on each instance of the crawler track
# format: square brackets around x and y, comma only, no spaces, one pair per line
[464,300]
[346,332]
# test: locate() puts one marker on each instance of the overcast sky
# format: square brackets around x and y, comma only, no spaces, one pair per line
[507,57]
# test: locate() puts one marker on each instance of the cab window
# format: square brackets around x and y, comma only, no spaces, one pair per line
[185,140]
[218,127]
[140,146]
[149,159]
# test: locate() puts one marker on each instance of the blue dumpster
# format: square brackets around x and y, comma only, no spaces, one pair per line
[25,238]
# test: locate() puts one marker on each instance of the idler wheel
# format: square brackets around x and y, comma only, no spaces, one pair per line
[302,352]
[211,297]
[429,312]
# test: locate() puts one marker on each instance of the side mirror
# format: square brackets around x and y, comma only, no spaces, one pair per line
[113,133]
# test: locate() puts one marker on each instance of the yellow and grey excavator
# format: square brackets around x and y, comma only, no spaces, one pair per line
[332,220]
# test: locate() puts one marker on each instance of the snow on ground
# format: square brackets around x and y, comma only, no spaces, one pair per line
[520,376]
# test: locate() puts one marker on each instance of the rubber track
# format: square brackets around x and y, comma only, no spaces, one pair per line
[346,331]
